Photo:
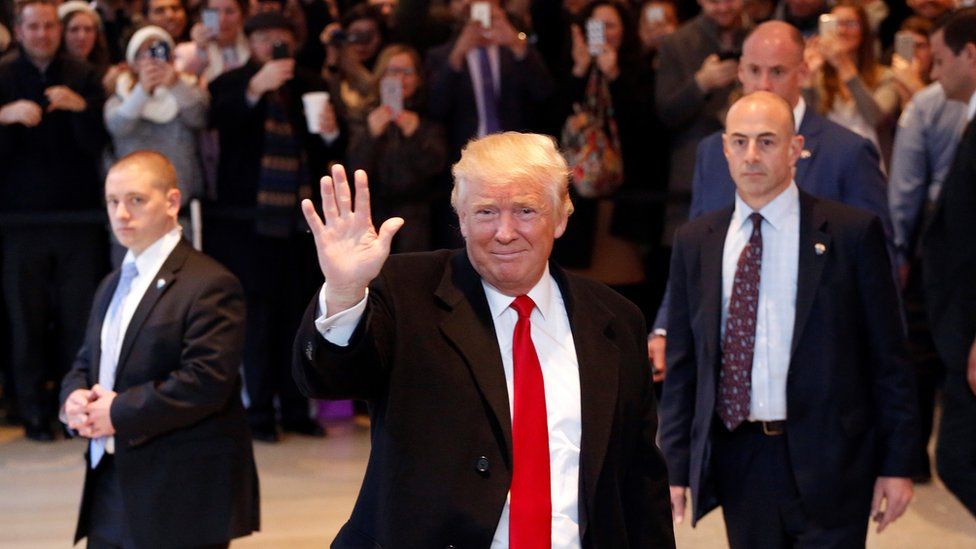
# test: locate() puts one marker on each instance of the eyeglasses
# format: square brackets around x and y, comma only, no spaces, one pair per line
[393,71]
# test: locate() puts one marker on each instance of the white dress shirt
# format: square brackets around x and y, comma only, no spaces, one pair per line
[776,312]
[798,111]
[474,70]
[553,340]
[971,108]
[148,264]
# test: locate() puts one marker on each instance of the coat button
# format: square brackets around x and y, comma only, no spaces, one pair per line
[482,465]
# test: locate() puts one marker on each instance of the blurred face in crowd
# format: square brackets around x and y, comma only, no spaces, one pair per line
[657,20]
[613,27]
[260,6]
[956,73]
[931,9]
[805,8]
[80,33]
[168,14]
[140,207]
[848,28]
[387,7]
[368,44]
[726,14]
[231,20]
[262,43]
[509,229]
[761,147]
[771,61]
[39,32]
[401,66]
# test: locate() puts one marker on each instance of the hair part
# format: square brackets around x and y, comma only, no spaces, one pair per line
[503,158]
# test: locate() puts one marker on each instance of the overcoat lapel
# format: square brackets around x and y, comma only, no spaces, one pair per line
[165,279]
[470,329]
[815,248]
[599,369]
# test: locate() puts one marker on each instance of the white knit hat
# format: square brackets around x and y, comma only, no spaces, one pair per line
[66,9]
[143,34]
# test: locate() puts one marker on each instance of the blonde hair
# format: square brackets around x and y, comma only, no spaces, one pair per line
[164,174]
[502,158]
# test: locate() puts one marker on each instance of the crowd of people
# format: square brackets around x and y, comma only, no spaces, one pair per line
[252,101]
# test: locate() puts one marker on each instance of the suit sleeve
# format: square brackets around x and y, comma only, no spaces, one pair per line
[910,177]
[893,383]
[357,371]
[679,100]
[678,397]
[212,350]
[864,186]
[697,181]
[80,372]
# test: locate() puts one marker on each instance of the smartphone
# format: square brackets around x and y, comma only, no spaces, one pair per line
[596,36]
[280,50]
[905,45]
[391,94]
[159,50]
[481,11]
[211,20]
[654,14]
[828,24]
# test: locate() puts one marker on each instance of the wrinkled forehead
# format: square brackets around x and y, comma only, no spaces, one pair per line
[512,192]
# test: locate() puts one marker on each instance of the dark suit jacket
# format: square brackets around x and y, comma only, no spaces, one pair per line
[949,258]
[836,164]
[183,450]
[426,359]
[525,84]
[851,412]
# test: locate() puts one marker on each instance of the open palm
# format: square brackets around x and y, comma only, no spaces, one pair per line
[350,251]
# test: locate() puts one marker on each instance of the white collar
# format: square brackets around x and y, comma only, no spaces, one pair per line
[798,112]
[775,213]
[541,294]
[152,258]
[971,111]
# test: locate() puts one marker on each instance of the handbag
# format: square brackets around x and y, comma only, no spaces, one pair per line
[591,142]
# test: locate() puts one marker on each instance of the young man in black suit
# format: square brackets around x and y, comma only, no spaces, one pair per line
[155,385]
[789,400]
[511,402]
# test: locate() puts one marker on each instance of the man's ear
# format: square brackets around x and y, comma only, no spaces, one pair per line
[173,201]
[796,147]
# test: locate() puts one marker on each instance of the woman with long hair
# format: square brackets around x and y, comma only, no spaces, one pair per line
[401,149]
[210,53]
[84,39]
[847,83]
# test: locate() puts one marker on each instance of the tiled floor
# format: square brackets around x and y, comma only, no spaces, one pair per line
[308,487]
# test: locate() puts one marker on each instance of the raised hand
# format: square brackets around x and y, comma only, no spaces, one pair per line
[350,251]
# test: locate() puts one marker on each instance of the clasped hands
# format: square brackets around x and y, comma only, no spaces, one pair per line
[29,113]
[88,411]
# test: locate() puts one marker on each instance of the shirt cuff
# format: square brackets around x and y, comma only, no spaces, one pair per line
[338,329]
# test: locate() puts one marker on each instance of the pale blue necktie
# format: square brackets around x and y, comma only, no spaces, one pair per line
[110,349]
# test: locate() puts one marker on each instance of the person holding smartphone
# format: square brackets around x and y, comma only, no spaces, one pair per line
[217,43]
[156,107]
[847,82]
[401,147]
[269,159]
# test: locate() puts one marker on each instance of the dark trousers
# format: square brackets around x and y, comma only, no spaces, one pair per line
[759,498]
[49,277]
[956,451]
[277,294]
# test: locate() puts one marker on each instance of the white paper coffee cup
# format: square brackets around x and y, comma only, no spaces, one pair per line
[314,103]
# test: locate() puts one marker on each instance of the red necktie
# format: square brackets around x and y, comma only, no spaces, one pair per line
[530,506]
[735,377]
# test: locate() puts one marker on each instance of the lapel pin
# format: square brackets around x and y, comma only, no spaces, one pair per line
[820,248]
[805,154]
[160,283]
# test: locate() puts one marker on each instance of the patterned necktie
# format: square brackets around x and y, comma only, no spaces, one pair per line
[735,378]
[110,350]
[492,122]
[530,504]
